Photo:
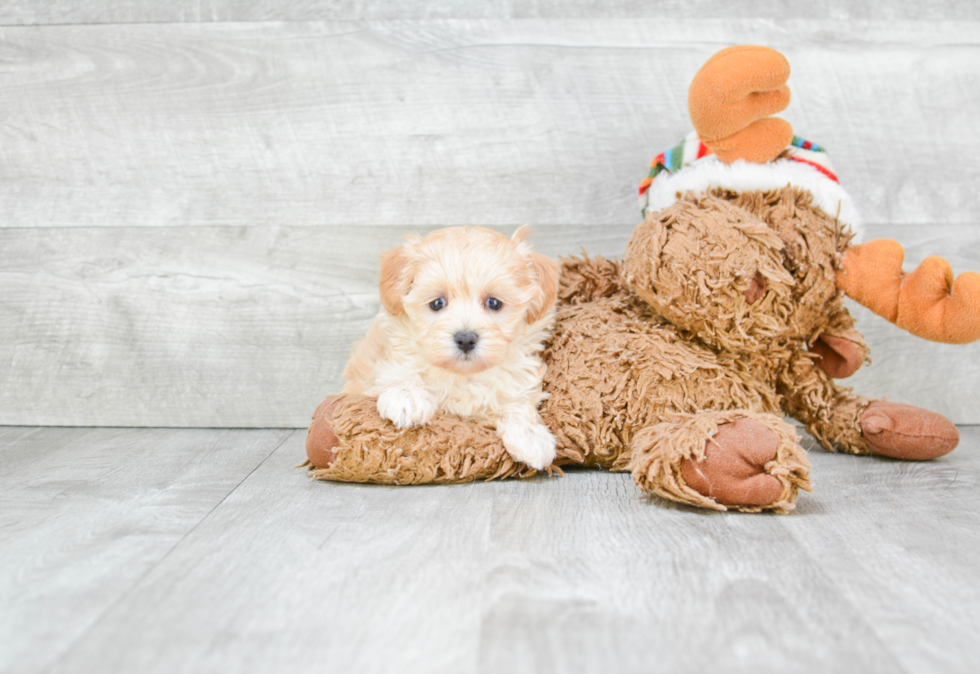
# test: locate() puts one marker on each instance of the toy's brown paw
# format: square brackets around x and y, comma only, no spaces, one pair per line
[321,440]
[733,469]
[906,432]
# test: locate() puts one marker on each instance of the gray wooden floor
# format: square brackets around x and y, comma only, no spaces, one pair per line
[162,550]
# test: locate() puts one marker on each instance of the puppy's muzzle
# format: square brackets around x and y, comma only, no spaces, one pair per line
[466,340]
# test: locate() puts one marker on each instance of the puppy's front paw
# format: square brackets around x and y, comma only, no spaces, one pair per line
[530,443]
[406,406]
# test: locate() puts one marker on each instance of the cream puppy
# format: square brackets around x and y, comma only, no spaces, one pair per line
[465,312]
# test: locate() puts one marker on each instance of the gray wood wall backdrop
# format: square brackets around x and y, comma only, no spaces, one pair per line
[194,194]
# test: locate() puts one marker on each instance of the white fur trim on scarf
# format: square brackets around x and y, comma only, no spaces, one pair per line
[739,176]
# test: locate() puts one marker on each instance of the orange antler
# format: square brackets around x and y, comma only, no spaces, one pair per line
[730,101]
[926,302]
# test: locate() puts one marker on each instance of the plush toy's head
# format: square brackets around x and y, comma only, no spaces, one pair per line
[739,271]
[759,248]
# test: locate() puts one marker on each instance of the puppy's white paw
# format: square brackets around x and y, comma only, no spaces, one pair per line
[406,406]
[529,442]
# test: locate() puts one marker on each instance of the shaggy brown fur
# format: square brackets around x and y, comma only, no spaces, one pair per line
[650,357]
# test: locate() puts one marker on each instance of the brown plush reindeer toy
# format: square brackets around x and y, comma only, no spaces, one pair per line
[726,313]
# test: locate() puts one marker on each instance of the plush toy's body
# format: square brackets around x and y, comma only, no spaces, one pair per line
[678,364]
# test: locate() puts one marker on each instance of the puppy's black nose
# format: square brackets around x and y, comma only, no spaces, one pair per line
[466,340]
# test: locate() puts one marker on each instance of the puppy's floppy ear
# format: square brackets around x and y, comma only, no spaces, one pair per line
[393,285]
[546,273]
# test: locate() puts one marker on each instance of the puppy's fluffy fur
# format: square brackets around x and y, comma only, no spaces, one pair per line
[465,312]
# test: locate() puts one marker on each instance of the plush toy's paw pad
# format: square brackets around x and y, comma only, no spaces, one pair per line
[321,441]
[406,406]
[530,443]
[733,470]
[907,432]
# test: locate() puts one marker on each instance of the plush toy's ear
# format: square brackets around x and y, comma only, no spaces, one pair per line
[393,283]
[546,271]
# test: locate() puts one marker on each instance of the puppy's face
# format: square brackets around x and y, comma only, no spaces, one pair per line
[467,293]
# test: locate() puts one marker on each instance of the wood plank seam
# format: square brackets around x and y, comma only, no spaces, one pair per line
[136,583]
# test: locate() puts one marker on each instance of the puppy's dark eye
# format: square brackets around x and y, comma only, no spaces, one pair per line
[438,305]
[493,304]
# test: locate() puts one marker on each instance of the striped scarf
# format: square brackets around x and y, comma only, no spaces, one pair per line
[692,149]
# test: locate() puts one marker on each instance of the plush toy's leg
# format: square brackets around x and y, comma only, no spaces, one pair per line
[842,421]
[733,459]
[349,441]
